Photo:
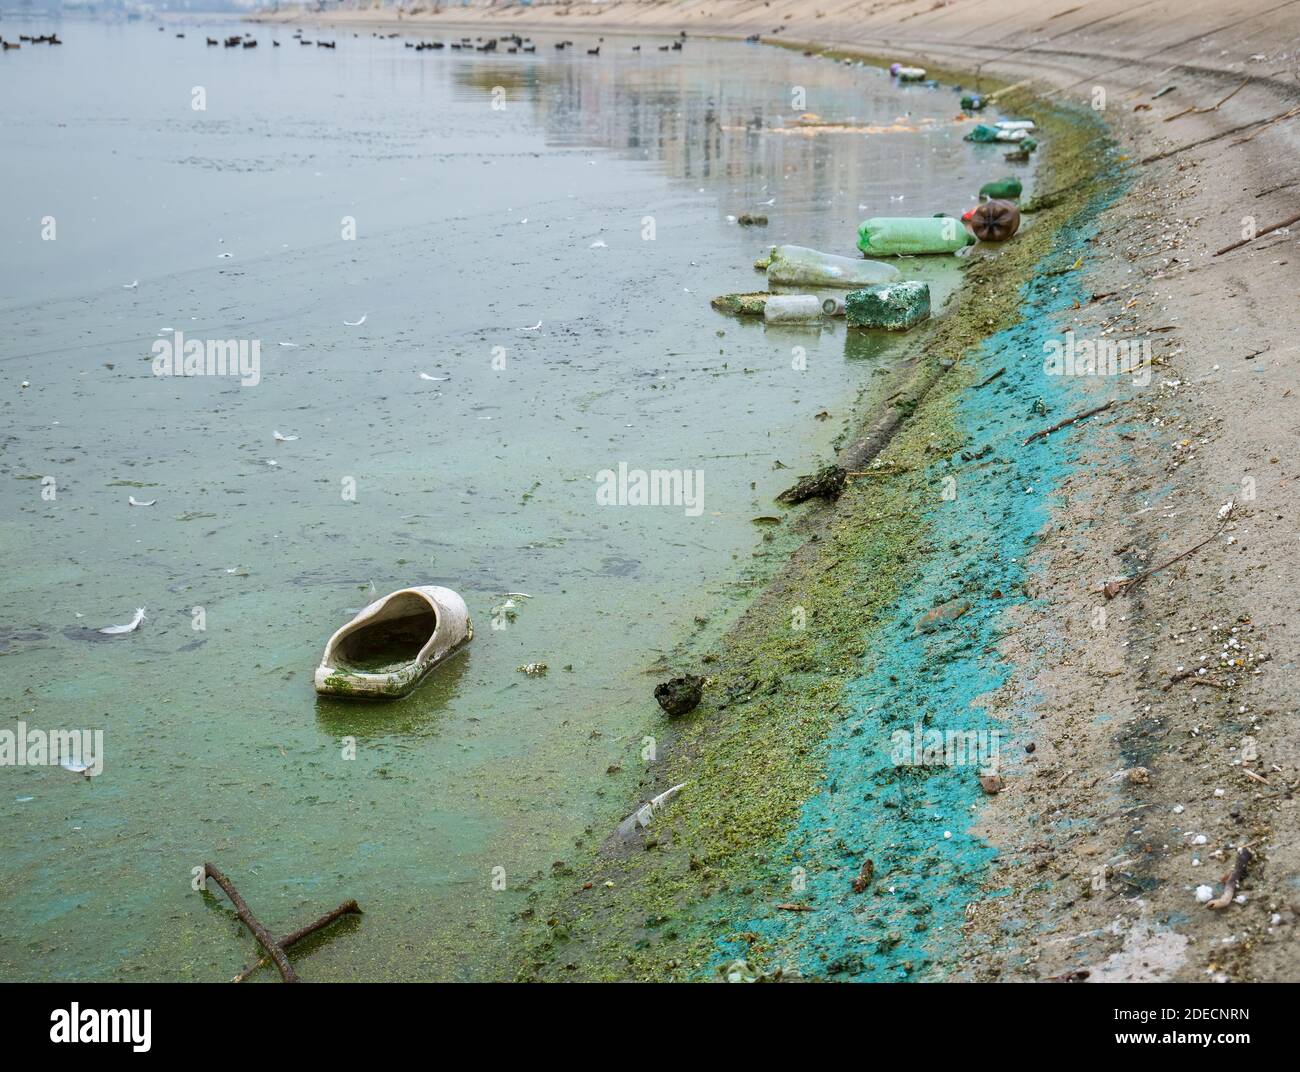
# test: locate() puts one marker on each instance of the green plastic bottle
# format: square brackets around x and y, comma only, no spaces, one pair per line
[1007,189]
[885,236]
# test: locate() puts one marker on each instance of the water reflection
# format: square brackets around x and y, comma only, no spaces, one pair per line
[701,118]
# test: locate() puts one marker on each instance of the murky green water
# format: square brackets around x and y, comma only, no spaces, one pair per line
[473,224]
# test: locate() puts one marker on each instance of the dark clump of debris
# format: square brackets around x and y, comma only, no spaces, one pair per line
[826,483]
[680,695]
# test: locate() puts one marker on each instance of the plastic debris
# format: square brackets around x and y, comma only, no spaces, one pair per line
[800,266]
[986,134]
[973,102]
[1007,189]
[995,221]
[792,308]
[896,306]
[902,235]
[910,74]
[392,643]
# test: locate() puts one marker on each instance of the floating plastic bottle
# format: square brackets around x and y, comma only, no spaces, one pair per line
[792,308]
[901,235]
[799,266]
[984,133]
[1007,189]
[995,221]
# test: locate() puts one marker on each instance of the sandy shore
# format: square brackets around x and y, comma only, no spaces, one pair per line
[1164,718]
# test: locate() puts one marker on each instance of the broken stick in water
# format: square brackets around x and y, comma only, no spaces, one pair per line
[252,923]
[347,908]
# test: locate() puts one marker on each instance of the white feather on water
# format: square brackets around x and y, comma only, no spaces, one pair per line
[280,437]
[356,323]
[130,627]
[133,501]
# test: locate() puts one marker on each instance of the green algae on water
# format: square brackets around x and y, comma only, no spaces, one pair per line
[706,886]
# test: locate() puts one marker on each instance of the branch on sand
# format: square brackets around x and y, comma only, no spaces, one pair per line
[1212,108]
[1068,420]
[1258,234]
[1225,134]
[275,950]
[1111,589]
[1231,881]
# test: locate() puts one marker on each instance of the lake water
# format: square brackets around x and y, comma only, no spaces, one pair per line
[538,235]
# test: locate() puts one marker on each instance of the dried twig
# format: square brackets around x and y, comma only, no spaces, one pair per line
[1212,108]
[791,906]
[985,383]
[1267,123]
[252,923]
[1231,881]
[1113,588]
[1068,420]
[347,908]
[1258,234]
[1216,137]
[864,876]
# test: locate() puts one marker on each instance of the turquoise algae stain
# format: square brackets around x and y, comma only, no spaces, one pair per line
[912,821]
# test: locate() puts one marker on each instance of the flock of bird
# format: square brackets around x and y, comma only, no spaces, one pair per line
[512,43]
[44,39]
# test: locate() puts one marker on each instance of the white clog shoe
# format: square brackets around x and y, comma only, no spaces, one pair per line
[388,648]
